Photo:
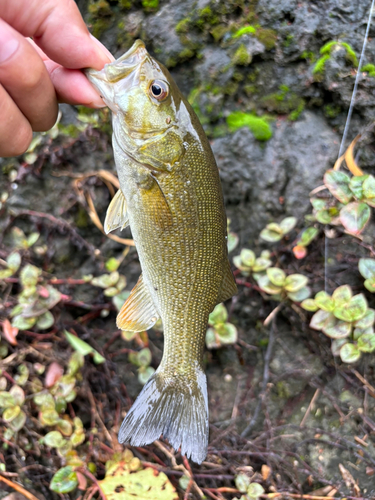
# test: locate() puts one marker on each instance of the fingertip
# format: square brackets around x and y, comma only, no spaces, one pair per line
[103,53]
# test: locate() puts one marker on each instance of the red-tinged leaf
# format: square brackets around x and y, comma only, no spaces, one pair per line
[10,332]
[54,373]
[82,481]
[355,216]
[338,184]
[299,251]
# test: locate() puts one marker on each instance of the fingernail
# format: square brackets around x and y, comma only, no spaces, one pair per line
[8,48]
[103,49]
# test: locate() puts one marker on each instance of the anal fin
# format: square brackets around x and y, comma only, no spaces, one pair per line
[139,312]
[228,285]
[116,213]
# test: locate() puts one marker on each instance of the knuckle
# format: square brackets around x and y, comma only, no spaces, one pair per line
[34,77]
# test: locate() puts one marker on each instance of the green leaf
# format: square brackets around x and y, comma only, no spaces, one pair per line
[369,189]
[307,236]
[112,264]
[261,264]
[366,342]
[355,216]
[45,321]
[270,236]
[254,491]
[77,438]
[367,268]
[5,273]
[320,319]
[276,276]
[120,483]
[323,217]
[212,339]
[232,241]
[242,482]
[64,481]
[324,301]
[247,257]
[342,295]
[49,417]
[18,394]
[218,315]
[354,310]
[309,305]
[54,439]
[128,336]
[14,261]
[295,282]
[54,297]
[106,280]
[23,323]
[356,185]
[350,353]
[370,285]
[97,357]
[32,238]
[144,357]
[78,344]
[17,423]
[338,184]
[227,333]
[29,275]
[266,285]
[367,320]
[318,203]
[287,224]
[300,295]
[144,373]
[336,346]
[11,413]
[337,329]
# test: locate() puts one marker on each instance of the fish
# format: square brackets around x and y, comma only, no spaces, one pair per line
[170,195]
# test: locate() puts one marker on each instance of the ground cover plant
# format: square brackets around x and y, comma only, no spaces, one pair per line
[290,360]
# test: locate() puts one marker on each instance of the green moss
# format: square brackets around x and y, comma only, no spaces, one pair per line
[183,25]
[241,56]
[288,40]
[258,126]
[150,5]
[309,56]
[284,102]
[326,52]
[219,31]
[125,4]
[246,30]
[370,69]
[250,89]
[267,37]
[331,110]
[320,64]
[186,54]
[100,16]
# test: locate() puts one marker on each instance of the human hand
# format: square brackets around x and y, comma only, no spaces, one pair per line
[37,74]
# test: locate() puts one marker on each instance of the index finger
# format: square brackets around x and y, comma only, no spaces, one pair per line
[58,28]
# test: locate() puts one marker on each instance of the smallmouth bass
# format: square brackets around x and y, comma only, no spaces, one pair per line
[170,195]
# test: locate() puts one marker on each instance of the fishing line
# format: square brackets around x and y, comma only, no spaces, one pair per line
[346,128]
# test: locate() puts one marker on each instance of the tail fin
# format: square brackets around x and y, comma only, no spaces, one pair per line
[175,407]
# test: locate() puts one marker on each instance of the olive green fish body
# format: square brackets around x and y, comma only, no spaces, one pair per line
[174,205]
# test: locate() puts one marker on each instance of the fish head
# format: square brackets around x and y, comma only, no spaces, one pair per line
[140,92]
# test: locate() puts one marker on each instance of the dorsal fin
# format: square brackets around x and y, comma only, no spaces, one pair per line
[116,213]
[139,312]
[228,285]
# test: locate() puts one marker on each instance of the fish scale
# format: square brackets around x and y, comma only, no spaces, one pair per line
[170,195]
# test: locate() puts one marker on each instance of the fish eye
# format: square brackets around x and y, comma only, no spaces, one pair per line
[159,90]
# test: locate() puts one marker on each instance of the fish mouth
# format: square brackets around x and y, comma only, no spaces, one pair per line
[117,70]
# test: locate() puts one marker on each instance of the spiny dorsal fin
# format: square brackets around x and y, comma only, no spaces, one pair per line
[228,285]
[116,213]
[139,312]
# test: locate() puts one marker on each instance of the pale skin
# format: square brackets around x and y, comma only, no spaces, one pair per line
[36,74]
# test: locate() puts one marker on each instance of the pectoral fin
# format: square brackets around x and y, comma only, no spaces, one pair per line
[228,285]
[139,312]
[155,204]
[116,213]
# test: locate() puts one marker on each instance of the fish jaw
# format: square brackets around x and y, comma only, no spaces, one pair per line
[118,76]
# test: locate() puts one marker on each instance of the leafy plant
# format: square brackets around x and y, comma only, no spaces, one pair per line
[252,491]
[248,263]
[142,360]
[221,332]
[367,269]
[276,283]
[274,232]
[346,319]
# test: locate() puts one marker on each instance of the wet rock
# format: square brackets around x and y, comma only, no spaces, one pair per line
[264,182]
[215,65]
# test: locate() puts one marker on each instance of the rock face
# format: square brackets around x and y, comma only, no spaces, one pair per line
[262,182]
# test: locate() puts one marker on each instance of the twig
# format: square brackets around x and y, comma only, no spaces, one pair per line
[314,398]
[371,389]
[92,478]
[266,373]
[19,488]
[272,314]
